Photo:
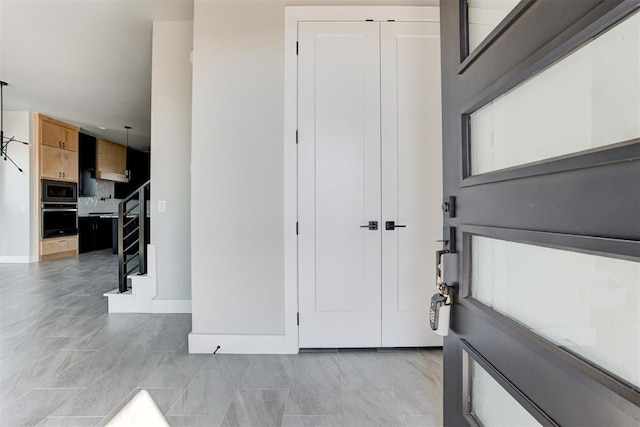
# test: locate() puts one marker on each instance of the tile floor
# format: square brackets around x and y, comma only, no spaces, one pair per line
[65,362]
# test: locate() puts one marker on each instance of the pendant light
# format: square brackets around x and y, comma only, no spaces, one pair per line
[127,172]
[4,141]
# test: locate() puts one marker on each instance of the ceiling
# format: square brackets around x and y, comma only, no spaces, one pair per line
[87,62]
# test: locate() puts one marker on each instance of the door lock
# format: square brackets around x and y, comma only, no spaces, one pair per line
[373,225]
[391,225]
[449,206]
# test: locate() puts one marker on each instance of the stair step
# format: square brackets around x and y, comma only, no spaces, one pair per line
[117,292]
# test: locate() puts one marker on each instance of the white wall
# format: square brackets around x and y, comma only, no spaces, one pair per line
[170,157]
[237,165]
[15,239]
[1,45]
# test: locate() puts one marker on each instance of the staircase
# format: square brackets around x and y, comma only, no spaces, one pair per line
[137,281]
[136,285]
[133,235]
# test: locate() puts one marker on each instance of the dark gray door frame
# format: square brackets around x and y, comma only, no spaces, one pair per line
[535,204]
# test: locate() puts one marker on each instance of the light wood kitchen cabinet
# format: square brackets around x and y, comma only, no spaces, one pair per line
[58,149]
[58,247]
[56,135]
[56,154]
[58,164]
[111,161]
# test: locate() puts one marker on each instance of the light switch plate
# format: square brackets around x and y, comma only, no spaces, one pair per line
[162,205]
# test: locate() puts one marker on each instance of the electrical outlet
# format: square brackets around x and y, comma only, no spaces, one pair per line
[162,205]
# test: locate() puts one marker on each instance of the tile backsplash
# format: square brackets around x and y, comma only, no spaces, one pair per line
[103,200]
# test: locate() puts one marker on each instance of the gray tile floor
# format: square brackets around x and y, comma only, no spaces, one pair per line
[65,362]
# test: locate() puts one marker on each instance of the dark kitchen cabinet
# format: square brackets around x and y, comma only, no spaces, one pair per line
[139,167]
[87,166]
[94,233]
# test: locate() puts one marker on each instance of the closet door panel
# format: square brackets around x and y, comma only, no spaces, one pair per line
[339,184]
[411,179]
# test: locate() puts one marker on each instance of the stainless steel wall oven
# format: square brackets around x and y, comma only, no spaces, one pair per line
[59,220]
[59,214]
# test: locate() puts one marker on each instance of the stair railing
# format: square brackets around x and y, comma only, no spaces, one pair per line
[133,235]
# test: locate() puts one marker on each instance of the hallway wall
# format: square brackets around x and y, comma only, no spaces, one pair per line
[237,218]
[15,191]
[171,157]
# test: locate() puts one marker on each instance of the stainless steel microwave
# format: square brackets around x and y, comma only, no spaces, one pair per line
[59,192]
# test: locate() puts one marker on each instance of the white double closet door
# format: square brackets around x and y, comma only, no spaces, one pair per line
[369,149]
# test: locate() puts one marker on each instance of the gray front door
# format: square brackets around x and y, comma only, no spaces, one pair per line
[541,130]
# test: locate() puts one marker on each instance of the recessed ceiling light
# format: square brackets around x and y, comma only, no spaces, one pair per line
[102,128]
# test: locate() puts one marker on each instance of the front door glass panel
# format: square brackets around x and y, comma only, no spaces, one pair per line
[589,99]
[484,16]
[586,304]
[491,404]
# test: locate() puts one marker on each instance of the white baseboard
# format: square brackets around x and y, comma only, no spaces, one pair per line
[127,303]
[132,303]
[239,344]
[15,259]
[171,306]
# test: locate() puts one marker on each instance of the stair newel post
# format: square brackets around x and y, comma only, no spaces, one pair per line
[122,279]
